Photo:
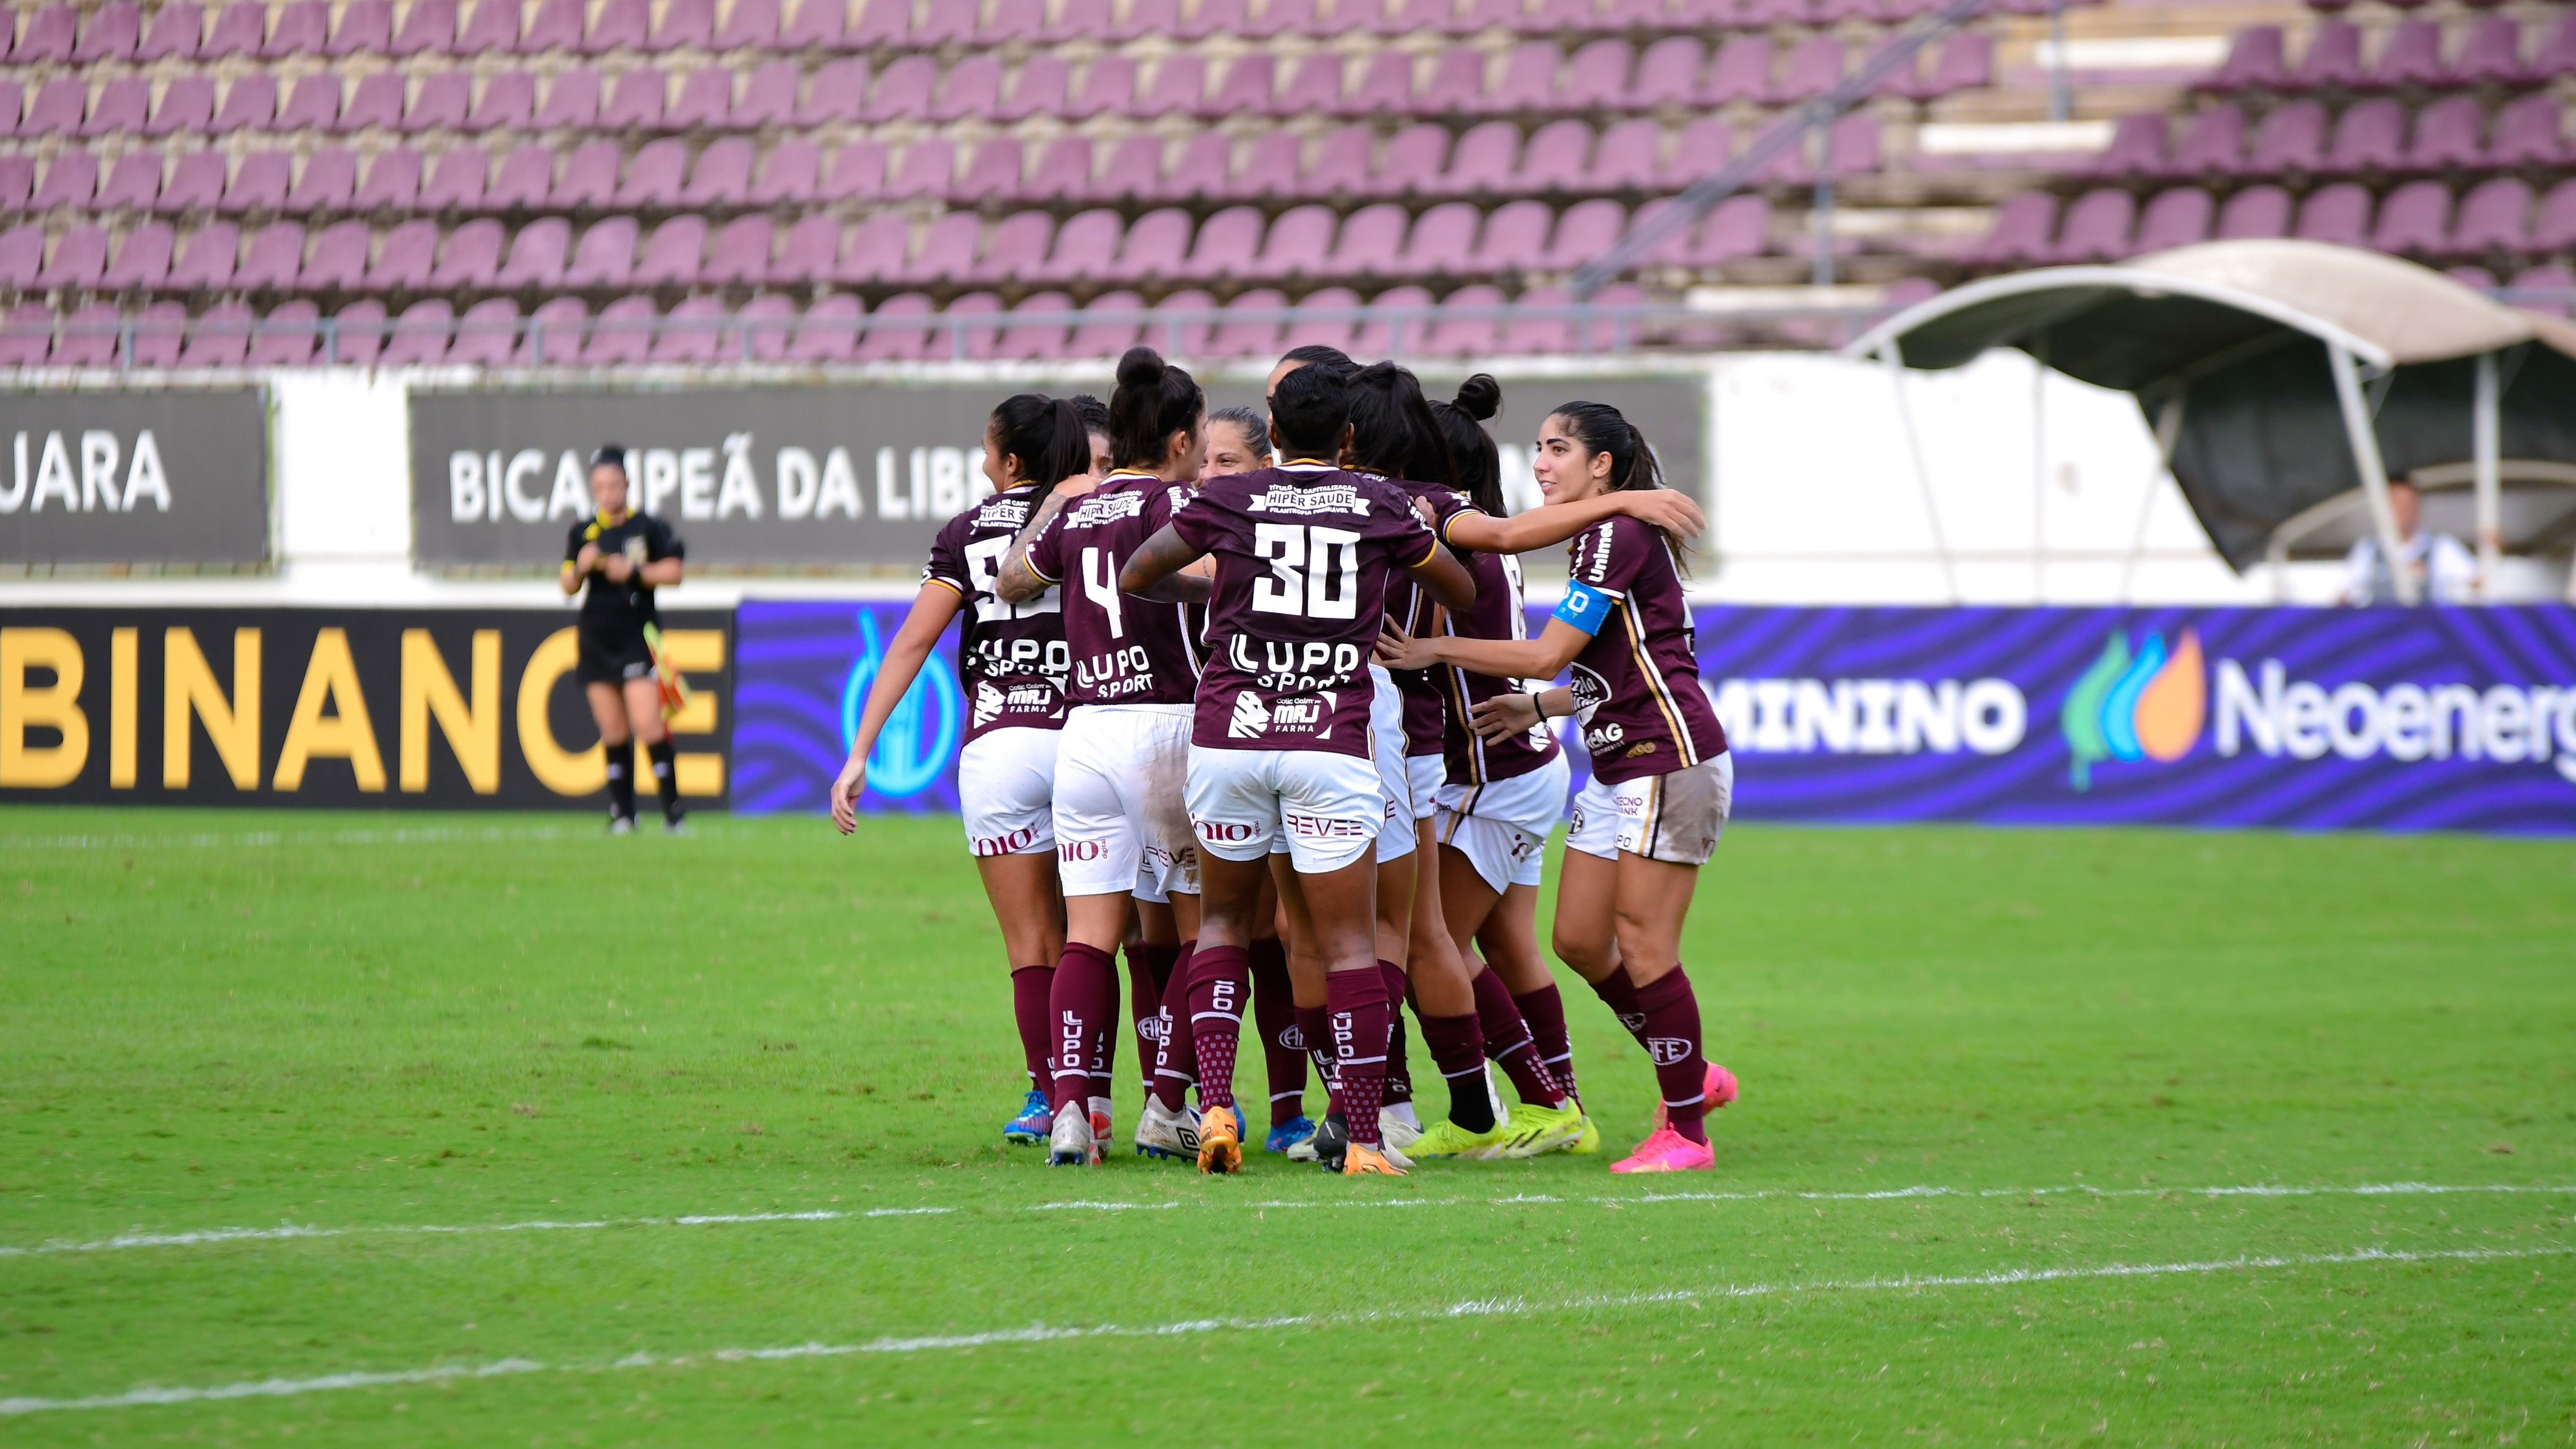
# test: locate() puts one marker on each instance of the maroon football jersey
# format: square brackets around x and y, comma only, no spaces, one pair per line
[1638,680]
[1500,613]
[1126,650]
[1304,553]
[1011,658]
[1410,606]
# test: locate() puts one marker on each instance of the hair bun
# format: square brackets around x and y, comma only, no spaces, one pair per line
[1479,397]
[1141,367]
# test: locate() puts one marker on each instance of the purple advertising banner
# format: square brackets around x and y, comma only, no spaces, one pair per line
[2304,719]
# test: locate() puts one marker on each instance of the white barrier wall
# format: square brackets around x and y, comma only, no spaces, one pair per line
[2029,488]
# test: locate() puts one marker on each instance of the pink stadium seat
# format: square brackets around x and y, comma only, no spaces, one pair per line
[302,28]
[220,337]
[537,256]
[1100,333]
[1442,241]
[1586,230]
[945,251]
[250,104]
[1176,337]
[339,260]
[392,182]
[196,183]
[1251,326]
[829,330]
[2557,53]
[429,28]
[1150,17]
[187,107]
[485,334]
[936,26]
[328,180]
[1313,88]
[878,248]
[259,183]
[637,101]
[2214,142]
[1486,158]
[673,254]
[557,26]
[1598,77]
[472,257]
[2254,214]
[1134,172]
[2412,56]
[526,181]
[57,109]
[1385,87]
[895,333]
[2494,217]
[2448,132]
[972,87]
[1079,20]
[1627,155]
[903,91]
[693,334]
[994,172]
[2137,148]
[124,104]
[287,336]
[357,335]
[114,31]
[764,325]
[366,28]
[1668,74]
[492,27]
[71,181]
[1299,241]
[688,24]
[768,98]
[1214,17]
[314,104]
[838,94]
[928,169]
[508,101]
[1179,89]
[1085,247]
[207,259]
[1063,172]
[1556,158]
[28,333]
[1037,90]
[1736,228]
[2491,55]
[2528,132]
[178,31]
[2554,229]
[133,185]
[1514,239]
[2339,214]
[377,104]
[750,25]
[1966,63]
[1250,85]
[740,253]
[2370,137]
[22,252]
[1325,331]
[2291,138]
[80,255]
[857,172]
[705,101]
[1457,333]
[1108,88]
[2415,218]
[789,174]
[1412,161]
[1340,164]
[1528,80]
[1741,73]
[404,262]
[274,259]
[1038,329]
[722,176]
[818,25]
[1371,239]
[1270,170]
[440,103]
[2024,227]
[973,343]
[1380,336]
[1157,246]
[653,177]
[17,180]
[1456,86]
[2254,62]
[420,335]
[240,29]
[1012,22]
[2175,218]
[2096,228]
[606,256]
[813,246]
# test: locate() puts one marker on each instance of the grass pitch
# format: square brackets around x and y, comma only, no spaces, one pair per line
[543,1138]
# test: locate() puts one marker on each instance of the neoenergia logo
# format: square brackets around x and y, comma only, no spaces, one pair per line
[2142,705]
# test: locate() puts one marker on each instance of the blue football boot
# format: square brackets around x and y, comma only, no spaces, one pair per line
[1035,1118]
[1288,1134]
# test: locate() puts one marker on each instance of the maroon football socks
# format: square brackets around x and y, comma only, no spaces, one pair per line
[1672,1037]
[1620,994]
[1220,979]
[1029,988]
[1399,1086]
[1543,1011]
[1175,1054]
[1457,1047]
[1358,1017]
[1149,970]
[1081,1007]
[1314,1028]
[1507,1041]
[1274,1015]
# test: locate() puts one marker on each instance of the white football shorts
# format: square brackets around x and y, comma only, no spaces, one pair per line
[1006,790]
[1122,821]
[1386,748]
[1327,807]
[1675,818]
[1502,827]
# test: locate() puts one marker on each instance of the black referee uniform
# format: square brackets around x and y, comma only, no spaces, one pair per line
[613,616]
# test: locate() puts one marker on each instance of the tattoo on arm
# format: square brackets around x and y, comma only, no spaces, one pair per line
[1016,582]
[1150,570]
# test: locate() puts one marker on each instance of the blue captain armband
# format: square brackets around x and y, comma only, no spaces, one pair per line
[1584,606]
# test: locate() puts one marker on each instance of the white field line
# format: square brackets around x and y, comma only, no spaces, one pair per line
[1041,1333]
[427,835]
[287,1231]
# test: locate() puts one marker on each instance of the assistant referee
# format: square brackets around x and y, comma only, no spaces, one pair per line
[623,556]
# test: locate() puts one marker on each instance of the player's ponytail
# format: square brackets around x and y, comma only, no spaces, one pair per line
[1601,428]
[1154,400]
[1045,434]
[1392,429]
[1471,448]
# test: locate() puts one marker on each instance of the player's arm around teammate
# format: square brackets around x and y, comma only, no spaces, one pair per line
[1662,778]
[615,560]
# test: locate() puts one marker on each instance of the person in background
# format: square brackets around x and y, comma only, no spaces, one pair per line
[621,556]
[2445,571]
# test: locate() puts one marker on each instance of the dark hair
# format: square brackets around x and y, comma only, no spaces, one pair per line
[1095,413]
[1392,429]
[1256,428]
[1045,434]
[1154,400]
[1309,409]
[1601,428]
[610,455]
[1320,354]
[1471,448]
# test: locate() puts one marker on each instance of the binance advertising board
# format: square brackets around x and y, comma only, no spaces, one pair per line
[371,708]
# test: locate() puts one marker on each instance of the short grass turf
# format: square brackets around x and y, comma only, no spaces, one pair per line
[1982,1071]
